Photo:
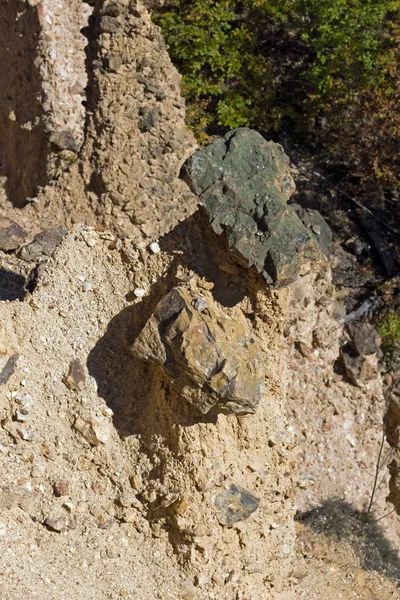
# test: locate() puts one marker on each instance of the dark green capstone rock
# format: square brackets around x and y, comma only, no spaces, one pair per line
[244,183]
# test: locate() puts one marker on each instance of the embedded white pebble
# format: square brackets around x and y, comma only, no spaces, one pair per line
[139,292]
[20,416]
[81,278]
[87,286]
[155,248]
[3,529]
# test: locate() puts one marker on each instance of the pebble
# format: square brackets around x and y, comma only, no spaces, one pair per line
[316,230]
[199,304]
[55,524]
[87,286]
[75,379]
[61,488]
[139,292]
[3,529]
[306,482]
[95,430]
[155,248]
[25,400]
[90,238]
[25,434]
[21,415]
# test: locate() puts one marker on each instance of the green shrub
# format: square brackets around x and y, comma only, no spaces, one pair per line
[389,330]
[258,62]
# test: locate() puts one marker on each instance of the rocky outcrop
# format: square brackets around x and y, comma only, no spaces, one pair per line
[43,82]
[213,360]
[244,183]
[207,496]
[125,175]
[136,135]
[393,437]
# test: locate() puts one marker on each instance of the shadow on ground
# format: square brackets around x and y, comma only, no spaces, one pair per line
[12,286]
[141,398]
[338,519]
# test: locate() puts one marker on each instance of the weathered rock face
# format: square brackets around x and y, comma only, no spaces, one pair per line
[244,182]
[210,358]
[393,437]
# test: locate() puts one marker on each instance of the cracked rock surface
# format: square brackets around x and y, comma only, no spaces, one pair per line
[213,360]
[244,183]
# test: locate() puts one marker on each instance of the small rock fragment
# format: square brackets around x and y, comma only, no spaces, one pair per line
[87,286]
[64,140]
[236,504]
[90,237]
[75,379]
[11,234]
[149,118]
[199,304]
[358,369]
[8,369]
[155,248]
[43,244]
[56,524]
[61,488]
[139,292]
[25,434]
[364,338]
[95,430]
[303,349]
[21,415]
[305,482]
[212,360]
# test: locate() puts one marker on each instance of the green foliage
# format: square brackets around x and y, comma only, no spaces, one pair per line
[336,52]
[389,330]
[214,47]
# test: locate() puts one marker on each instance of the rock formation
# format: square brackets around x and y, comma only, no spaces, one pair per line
[244,183]
[213,360]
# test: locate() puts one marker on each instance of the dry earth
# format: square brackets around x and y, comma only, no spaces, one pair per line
[106,490]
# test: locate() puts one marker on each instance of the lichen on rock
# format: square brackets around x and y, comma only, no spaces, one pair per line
[244,183]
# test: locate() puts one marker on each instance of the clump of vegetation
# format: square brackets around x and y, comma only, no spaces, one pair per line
[328,68]
[389,330]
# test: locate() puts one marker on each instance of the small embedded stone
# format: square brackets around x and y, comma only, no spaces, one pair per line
[43,244]
[364,338]
[61,488]
[95,430]
[235,504]
[11,234]
[76,378]
[56,524]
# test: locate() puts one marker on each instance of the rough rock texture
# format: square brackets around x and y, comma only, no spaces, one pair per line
[213,360]
[125,176]
[11,234]
[339,425]
[244,183]
[43,81]
[138,517]
[393,437]
[135,108]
